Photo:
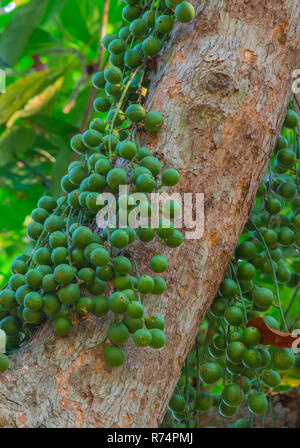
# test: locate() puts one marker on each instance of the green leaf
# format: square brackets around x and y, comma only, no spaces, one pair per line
[13,141]
[74,20]
[42,40]
[19,92]
[19,29]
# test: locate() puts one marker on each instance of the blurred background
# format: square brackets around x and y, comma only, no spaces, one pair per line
[48,51]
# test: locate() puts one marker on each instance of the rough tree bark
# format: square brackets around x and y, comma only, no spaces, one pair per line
[223,85]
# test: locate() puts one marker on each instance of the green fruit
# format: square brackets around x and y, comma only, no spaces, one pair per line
[11,325]
[251,336]
[77,144]
[286,157]
[99,257]
[98,287]
[164,24]
[18,266]
[234,316]
[122,265]
[114,356]
[69,294]
[257,403]
[228,288]
[86,276]
[210,372]
[138,27]
[59,256]
[118,302]
[145,183]
[103,166]
[64,274]
[146,233]
[265,357]
[151,46]
[283,359]
[232,395]
[246,271]
[273,206]
[218,307]
[132,59]
[33,301]
[102,104]
[7,299]
[127,149]
[170,177]
[20,295]
[271,378]
[48,203]
[175,239]
[158,338]
[246,250]
[203,401]
[263,297]
[235,351]
[118,333]
[49,283]
[116,177]
[149,17]
[39,215]
[155,321]
[159,264]
[124,33]
[270,237]
[145,284]
[98,80]
[135,309]
[177,403]
[285,236]
[251,358]
[17,280]
[100,306]
[53,223]
[105,273]
[119,238]
[113,75]
[82,237]
[34,278]
[133,324]
[62,326]
[153,121]
[84,305]
[51,304]
[4,363]
[227,411]
[159,286]
[291,119]
[116,46]
[142,338]
[135,113]
[34,231]
[165,229]
[58,239]
[32,316]
[184,12]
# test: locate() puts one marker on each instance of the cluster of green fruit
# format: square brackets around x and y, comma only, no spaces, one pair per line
[265,264]
[75,265]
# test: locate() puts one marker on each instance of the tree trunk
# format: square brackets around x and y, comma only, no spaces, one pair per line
[223,84]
